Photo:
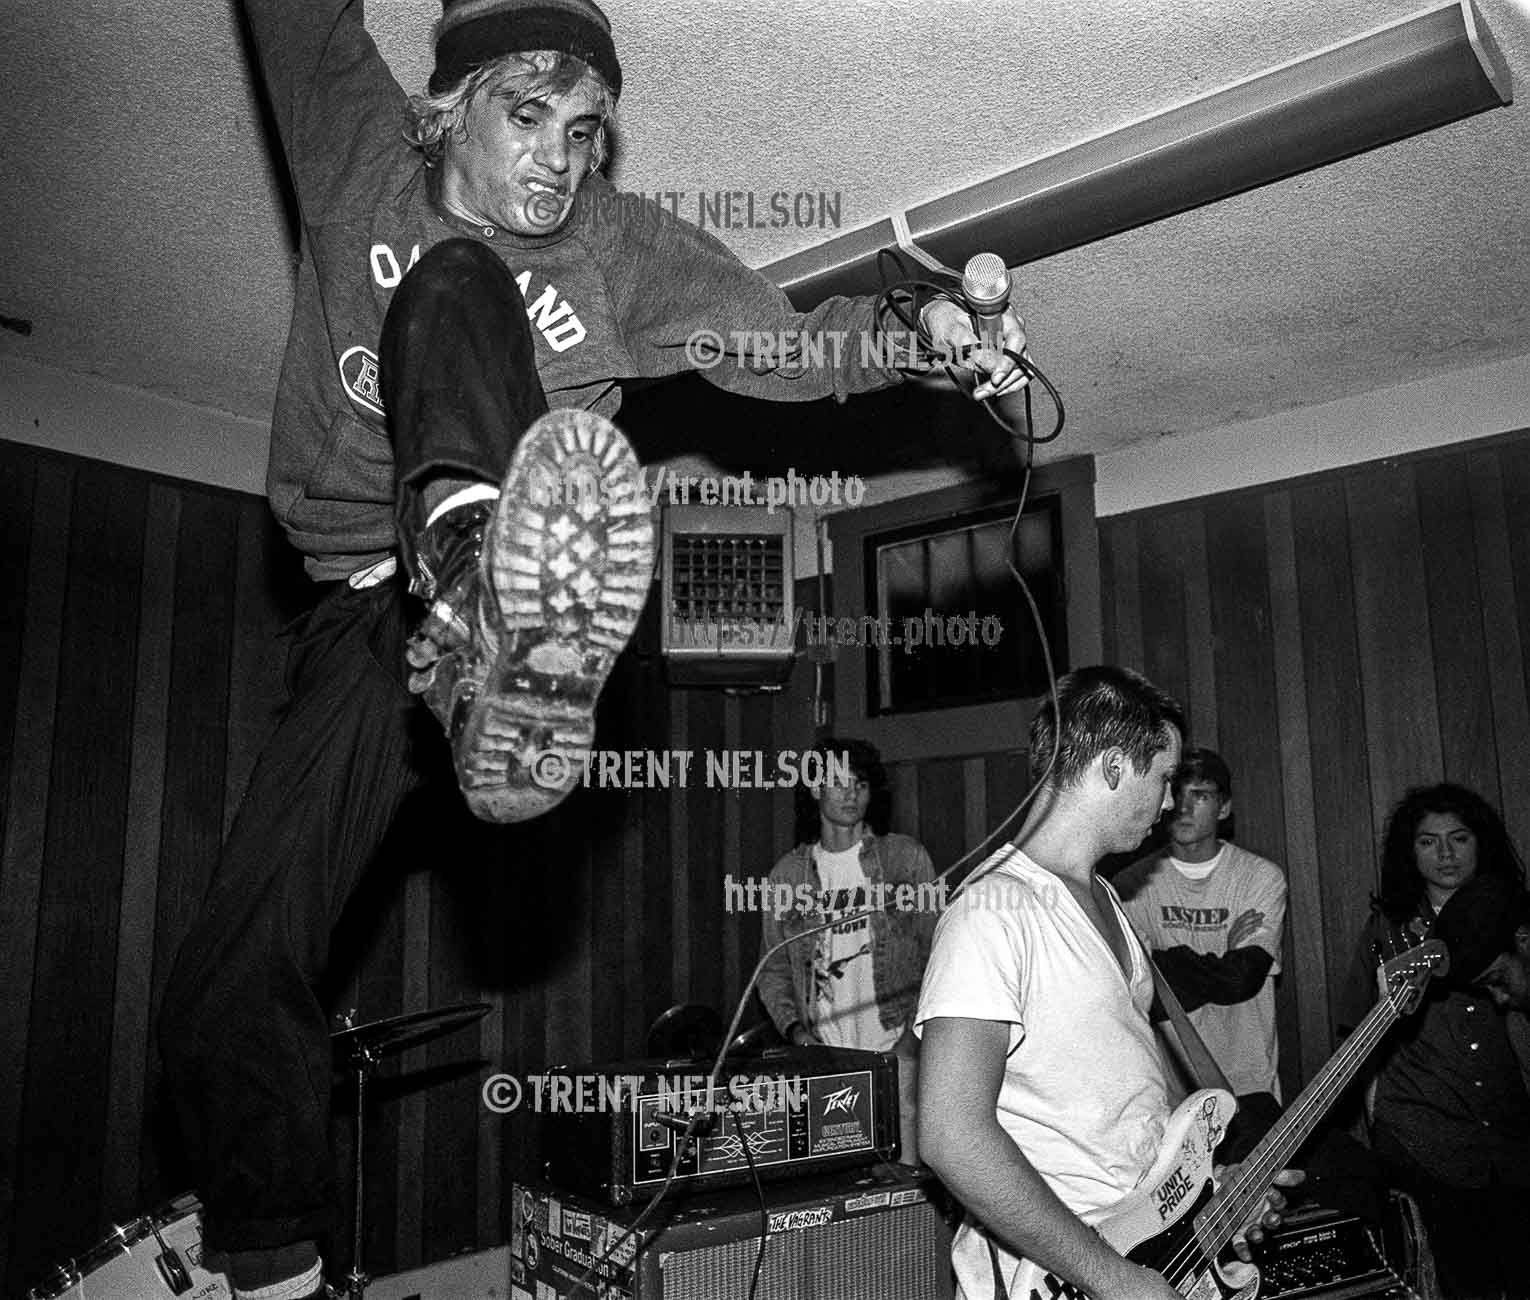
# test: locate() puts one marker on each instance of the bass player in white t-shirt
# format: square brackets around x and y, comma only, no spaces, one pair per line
[1042,1102]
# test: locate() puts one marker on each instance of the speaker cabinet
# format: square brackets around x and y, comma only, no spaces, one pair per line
[882,1235]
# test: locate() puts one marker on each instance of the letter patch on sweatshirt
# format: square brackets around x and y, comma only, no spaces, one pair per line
[358,372]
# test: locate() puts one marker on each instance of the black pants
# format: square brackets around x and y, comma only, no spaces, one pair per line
[458,372]
[244,1037]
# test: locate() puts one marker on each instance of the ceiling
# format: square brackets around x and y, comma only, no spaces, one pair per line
[148,241]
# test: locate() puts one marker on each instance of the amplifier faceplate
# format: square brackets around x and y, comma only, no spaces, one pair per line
[787,1112]
[1323,1253]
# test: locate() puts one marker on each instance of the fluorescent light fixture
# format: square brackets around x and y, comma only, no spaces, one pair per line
[1410,76]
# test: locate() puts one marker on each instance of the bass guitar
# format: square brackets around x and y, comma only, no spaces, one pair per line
[1177,1221]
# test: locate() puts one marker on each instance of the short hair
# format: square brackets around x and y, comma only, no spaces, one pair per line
[865,762]
[1402,888]
[1101,708]
[1201,764]
[433,120]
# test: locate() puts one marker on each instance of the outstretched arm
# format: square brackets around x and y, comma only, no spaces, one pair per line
[686,302]
[336,105]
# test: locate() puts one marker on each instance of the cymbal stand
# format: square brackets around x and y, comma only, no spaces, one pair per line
[366,1045]
[364,1057]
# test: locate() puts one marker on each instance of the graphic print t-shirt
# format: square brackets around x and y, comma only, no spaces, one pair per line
[1172,905]
[843,987]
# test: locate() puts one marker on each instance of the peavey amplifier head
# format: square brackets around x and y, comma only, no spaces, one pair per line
[861,1235]
[612,1131]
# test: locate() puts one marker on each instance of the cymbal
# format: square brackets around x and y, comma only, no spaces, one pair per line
[413,1027]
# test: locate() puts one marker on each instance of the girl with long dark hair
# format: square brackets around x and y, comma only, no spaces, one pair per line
[1450,1118]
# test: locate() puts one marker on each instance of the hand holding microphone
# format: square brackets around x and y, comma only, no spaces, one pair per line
[985,331]
[985,285]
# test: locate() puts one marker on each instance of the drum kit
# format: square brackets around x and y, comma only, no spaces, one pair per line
[157,1255]
[160,1255]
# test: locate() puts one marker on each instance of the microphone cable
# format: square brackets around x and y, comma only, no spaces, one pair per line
[894,299]
[918,292]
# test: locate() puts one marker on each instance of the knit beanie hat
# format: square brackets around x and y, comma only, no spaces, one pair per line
[475,32]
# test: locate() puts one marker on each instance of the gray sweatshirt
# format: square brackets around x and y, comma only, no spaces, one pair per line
[609,299]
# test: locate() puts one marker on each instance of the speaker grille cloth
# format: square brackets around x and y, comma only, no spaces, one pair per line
[903,1253]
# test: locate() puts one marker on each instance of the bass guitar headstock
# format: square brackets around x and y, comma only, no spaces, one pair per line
[1407,974]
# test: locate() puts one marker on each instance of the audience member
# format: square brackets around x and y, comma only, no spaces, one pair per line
[854,984]
[1450,1115]
[1212,913]
[1486,927]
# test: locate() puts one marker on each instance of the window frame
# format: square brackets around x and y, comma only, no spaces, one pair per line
[960,730]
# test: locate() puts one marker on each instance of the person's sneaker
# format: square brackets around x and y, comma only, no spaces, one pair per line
[530,599]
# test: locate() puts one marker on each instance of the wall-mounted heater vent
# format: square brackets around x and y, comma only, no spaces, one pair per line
[728,617]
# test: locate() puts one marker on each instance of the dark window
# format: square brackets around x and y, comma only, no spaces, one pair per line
[952,625]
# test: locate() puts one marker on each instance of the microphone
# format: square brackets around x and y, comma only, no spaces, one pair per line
[985,285]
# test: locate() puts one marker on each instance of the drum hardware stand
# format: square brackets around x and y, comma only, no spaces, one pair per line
[364,1057]
[168,1261]
[60,1280]
[365,1046]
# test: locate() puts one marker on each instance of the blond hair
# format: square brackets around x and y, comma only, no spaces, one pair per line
[522,77]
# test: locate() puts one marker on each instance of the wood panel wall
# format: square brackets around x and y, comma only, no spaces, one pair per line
[1339,639]
[140,671]
[136,677]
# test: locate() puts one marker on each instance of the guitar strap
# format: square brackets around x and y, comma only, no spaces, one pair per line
[1198,1058]
[1203,1067]
[1000,1291]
